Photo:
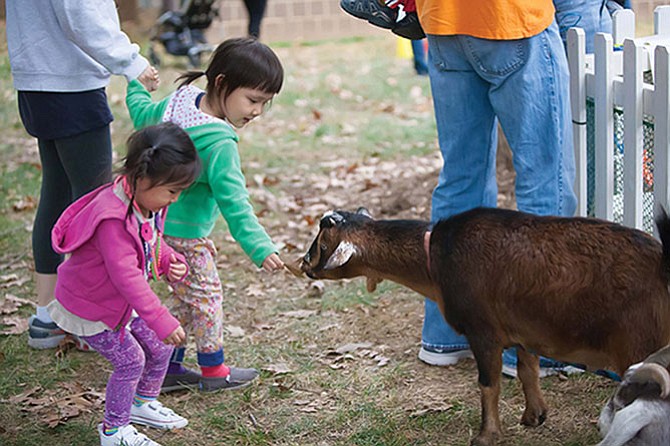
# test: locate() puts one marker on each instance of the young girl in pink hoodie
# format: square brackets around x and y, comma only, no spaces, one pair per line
[114,238]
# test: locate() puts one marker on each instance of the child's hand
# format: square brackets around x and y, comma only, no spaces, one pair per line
[149,78]
[176,338]
[177,269]
[272,263]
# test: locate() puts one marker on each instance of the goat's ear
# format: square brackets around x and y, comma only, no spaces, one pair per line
[341,255]
[363,211]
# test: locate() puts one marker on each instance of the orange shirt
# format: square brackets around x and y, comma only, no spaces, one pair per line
[487,19]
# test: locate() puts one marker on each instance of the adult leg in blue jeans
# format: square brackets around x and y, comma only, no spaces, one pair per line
[419,56]
[593,16]
[524,84]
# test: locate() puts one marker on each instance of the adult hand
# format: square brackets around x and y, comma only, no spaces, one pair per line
[149,78]
[272,263]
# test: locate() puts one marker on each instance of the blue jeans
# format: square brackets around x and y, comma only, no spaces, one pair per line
[524,84]
[419,53]
[593,16]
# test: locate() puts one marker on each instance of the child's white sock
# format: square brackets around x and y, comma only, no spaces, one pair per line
[43,315]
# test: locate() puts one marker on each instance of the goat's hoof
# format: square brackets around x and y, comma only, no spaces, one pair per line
[533,418]
[485,439]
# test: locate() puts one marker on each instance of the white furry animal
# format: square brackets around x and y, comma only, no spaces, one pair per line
[638,414]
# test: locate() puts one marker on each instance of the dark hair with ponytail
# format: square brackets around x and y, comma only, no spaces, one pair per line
[244,63]
[162,153]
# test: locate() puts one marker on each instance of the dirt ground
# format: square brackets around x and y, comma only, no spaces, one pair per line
[392,323]
[332,356]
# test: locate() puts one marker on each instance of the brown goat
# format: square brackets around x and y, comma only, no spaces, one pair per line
[580,290]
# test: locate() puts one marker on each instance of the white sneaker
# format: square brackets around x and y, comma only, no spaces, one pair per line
[125,436]
[509,370]
[154,414]
[443,359]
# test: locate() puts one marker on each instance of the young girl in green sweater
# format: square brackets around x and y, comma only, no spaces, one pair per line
[242,78]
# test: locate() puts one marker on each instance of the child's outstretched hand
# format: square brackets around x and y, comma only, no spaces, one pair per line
[176,338]
[177,269]
[272,263]
[149,78]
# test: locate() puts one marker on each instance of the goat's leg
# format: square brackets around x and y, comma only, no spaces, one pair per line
[489,365]
[528,370]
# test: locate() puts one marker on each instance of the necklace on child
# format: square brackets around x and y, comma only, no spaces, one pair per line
[151,256]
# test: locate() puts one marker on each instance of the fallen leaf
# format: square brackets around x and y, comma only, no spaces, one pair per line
[11,304]
[255,290]
[299,314]
[279,368]
[15,325]
[234,332]
[346,348]
[294,268]
[26,203]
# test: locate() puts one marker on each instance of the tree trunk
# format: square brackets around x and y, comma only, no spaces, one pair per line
[128,10]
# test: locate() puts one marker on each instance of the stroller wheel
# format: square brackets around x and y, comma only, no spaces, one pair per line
[154,58]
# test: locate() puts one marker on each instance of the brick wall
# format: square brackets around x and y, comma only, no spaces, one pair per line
[322,19]
[292,20]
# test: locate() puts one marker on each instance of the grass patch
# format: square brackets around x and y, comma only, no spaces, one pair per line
[347,129]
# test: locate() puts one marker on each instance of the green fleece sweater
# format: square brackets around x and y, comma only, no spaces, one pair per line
[221,187]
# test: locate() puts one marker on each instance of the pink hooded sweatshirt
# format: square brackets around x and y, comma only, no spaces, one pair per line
[103,280]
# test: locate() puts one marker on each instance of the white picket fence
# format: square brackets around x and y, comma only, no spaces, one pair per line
[620,97]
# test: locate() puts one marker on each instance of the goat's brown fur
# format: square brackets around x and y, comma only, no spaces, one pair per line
[579,290]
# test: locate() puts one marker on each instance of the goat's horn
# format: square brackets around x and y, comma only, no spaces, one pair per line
[652,372]
[661,357]
[363,211]
[331,218]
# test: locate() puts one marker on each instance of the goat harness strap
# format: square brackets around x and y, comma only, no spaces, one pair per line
[426,247]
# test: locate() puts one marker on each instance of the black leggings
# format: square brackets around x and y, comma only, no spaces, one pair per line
[71,167]
[256,10]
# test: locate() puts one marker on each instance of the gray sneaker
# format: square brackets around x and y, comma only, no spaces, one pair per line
[190,379]
[42,335]
[237,379]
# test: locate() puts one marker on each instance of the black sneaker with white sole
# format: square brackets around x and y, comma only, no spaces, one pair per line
[373,11]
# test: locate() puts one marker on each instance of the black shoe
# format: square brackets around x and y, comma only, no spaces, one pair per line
[237,379]
[190,379]
[409,27]
[372,11]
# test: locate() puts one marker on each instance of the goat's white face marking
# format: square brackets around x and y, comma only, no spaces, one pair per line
[341,255]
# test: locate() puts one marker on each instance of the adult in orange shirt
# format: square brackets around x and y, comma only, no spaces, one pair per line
[495,61]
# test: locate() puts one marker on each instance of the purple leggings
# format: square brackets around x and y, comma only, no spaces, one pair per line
[140,363]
